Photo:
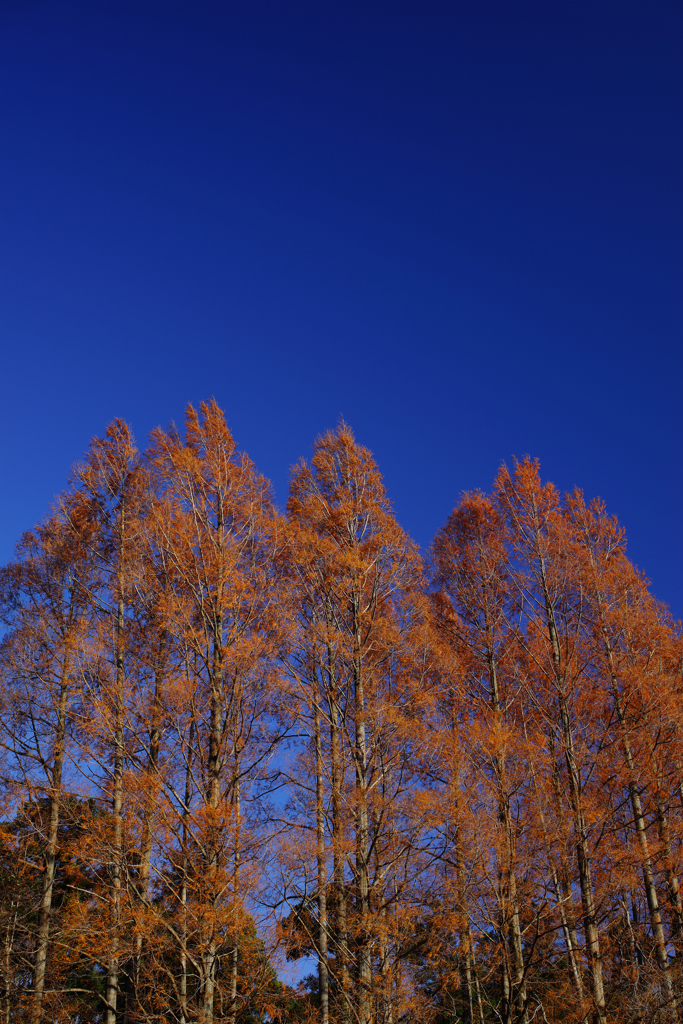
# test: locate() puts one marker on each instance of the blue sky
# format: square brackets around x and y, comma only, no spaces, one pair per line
[457,224]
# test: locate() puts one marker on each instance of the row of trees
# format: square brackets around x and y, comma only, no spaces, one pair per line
[232,737]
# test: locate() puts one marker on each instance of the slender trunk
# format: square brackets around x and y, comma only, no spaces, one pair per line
[505,1001]
[583,857]
[646,866]
[633,952]
[7,965]
[382,884]
[387,1003]
[465,928]
[569,935]
[562,892]
[152,769]
[565,901]
[639,822]
[50,852]
[580,828]
[323,976]
[338,844]
[363,955]
[564,873]
[210,950]
[671,877]
[519,995]
[148,822]
[112,985]
[234,956]
[469,990]
[514,987]
[387,975]
[212,841]
[183,883]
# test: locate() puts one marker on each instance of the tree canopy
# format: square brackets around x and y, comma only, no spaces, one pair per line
[446,786]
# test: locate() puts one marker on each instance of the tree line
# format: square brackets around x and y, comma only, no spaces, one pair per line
[448,786]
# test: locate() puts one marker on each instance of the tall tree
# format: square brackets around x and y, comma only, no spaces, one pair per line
[107,497]
[627,636]
[47,609]
[553,609]
[360,652]
[471,571]
[217,532]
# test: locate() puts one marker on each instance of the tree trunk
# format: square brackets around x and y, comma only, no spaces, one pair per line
[671,877]
[50,853]
[513,986]
[210,950]
[363,954]
[564,873]
[580,830]
[590,920]
[648,874]
[385,1001]
[183,884]
[7,965]
[235,950]
[562,887]
[148,821]
[112,985]
[323,976]
[338,845]
[641,832]
[471,981]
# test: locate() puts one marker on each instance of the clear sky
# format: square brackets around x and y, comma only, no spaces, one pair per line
[456,224]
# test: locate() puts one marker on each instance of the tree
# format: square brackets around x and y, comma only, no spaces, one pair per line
[360,655]
[215,533]
[532,515]
[106,501]
[47,609]
[628,637]
[472,577]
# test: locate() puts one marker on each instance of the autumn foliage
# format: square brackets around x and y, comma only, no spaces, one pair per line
[262,765]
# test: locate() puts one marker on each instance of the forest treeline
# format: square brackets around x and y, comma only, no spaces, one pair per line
[233,737]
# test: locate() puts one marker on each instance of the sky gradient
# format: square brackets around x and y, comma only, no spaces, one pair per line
[457,225]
